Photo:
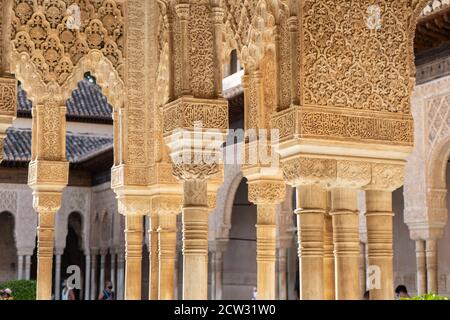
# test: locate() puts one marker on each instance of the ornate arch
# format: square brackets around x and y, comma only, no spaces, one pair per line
[225,199]
[253,28]
[95,62]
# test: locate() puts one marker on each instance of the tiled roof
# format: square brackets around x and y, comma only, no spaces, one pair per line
[78,147]
[87,102]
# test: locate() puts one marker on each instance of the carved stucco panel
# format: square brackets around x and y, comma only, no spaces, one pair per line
[431,111]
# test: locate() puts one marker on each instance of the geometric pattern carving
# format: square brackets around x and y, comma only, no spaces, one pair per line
[438,111]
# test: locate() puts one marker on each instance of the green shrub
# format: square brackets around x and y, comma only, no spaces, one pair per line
[428,296]
[21,289]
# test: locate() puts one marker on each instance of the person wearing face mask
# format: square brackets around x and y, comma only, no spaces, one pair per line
[107,293]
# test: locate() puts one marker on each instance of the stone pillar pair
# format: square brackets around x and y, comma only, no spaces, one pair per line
[316,227]
[427,263]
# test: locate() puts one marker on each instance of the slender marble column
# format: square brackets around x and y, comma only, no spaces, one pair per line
[282,274]
[113,269]
[87,276]
[379,218]
[133,256]
[94,291]
[312,204]
[57,276]
[101,280]
[153,257]
[167,233]
[344,212]
[421,267]
[266,251]
[20,267]
[45,233]
[328,259]
[120,276]
[195,240]
[27,267]
[432,266]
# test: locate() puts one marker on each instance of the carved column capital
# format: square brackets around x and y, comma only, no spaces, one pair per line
[183,11]
[46,202]
[266,192]
[166,205]
[134,205]
[386,177]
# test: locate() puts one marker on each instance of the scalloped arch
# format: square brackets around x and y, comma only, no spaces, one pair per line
[95,62]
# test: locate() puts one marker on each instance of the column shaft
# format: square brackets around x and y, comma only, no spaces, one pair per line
[421,267]
[218,276]
[432,266]
[57,277]
[266,251]
[101,280]
[87,276]
[345,217]
[27,267]
[20,267]
[328,260]
[133,256]
[94,277]
[45,234]
[379,242]
[167,243]
[282,274]
[153,258]
[120,276]
[311,203]
[113,270]
[195,240]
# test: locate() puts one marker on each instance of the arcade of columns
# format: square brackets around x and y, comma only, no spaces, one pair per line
[337,88]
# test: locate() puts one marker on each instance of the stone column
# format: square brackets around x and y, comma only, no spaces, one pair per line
[167,242]
[345,218]
[113,268]
[48,173]
[421,267]
[153,257]
[328,259]
[362,268]
[46,204]
[93,286]
[58,254]
[197,98]
[133,256]
[266,195]
[379,218]
[195,240]
[101,280]
[312,204]
[120,276]
[87,277]
[282,273]
[19,267]
[432,265]
[27,267]
[217,248]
